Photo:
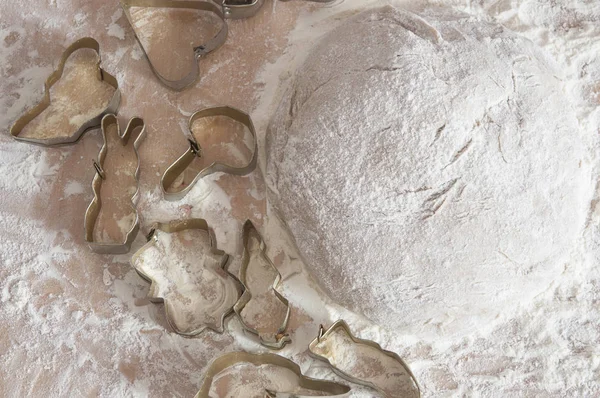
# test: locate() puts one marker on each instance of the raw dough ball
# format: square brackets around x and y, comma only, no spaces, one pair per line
[430,169]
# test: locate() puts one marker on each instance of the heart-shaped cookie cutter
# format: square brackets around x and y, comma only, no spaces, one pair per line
[93,210]
[276,339]
[195,151]
[342,326]
[112,107]
[199,51]
[234,358]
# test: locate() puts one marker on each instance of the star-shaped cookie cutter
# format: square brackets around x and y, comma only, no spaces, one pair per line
[195,151]
[342,326]
[154,293]
[93,210]
[199,51]
[234,358]
[277,339]
[112,107]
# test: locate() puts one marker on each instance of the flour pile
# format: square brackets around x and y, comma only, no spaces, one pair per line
[420,177]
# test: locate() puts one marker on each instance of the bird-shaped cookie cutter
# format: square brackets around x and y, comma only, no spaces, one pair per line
[342,326]
[276,339]
[112,106]
[195,152]
[199,51]
[234,358]
[93,210]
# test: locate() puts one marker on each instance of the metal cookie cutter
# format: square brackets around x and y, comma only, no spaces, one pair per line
[403,384]
[112,107]
[177,281]
[275,339]
[93,210]
[195,152]
[238,9]
[199,51]
[234,358]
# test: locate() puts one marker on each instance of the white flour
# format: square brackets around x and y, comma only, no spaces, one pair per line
[76,324]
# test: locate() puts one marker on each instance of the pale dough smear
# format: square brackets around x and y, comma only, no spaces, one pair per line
[430,169]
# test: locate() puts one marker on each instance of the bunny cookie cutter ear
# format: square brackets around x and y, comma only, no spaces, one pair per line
[195,151]
[102,75]
[199,51]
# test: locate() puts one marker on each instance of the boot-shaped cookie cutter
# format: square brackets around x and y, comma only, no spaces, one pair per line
[93,210]
[173,296]
[276,339]
[321,350]
[195,151]
[199,51]
[112,107]
[234,358]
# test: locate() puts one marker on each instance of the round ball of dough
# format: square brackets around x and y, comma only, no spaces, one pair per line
[430,169]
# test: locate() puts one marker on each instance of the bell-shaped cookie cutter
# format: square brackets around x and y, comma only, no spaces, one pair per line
[93,210]
[112,107]
[195,151]
[278,339]
[234,358]
[174,227]
[199,51]
[343,326]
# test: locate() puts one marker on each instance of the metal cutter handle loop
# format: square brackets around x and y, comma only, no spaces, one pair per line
[238,9]
[99,170]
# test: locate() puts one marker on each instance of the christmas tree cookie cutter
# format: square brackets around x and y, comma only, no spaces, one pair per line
[173,278]
[112,106]
[199,51]
[253,257]
[195,152]
[93,210]
[234,358]
[326,349]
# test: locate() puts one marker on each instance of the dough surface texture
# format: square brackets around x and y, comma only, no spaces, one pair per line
[430,169]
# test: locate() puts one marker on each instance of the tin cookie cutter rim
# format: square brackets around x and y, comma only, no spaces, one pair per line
[231,359]
[195,151]
[112,106]
[170,228]
[93,210]
[280,337]
[341,324]
[199,51]
[239,9]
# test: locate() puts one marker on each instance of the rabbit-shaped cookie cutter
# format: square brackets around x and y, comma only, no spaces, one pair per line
[93,210]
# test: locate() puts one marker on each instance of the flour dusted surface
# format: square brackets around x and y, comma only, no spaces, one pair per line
[415,161]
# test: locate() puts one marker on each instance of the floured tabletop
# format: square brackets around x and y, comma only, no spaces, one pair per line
[76,323]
